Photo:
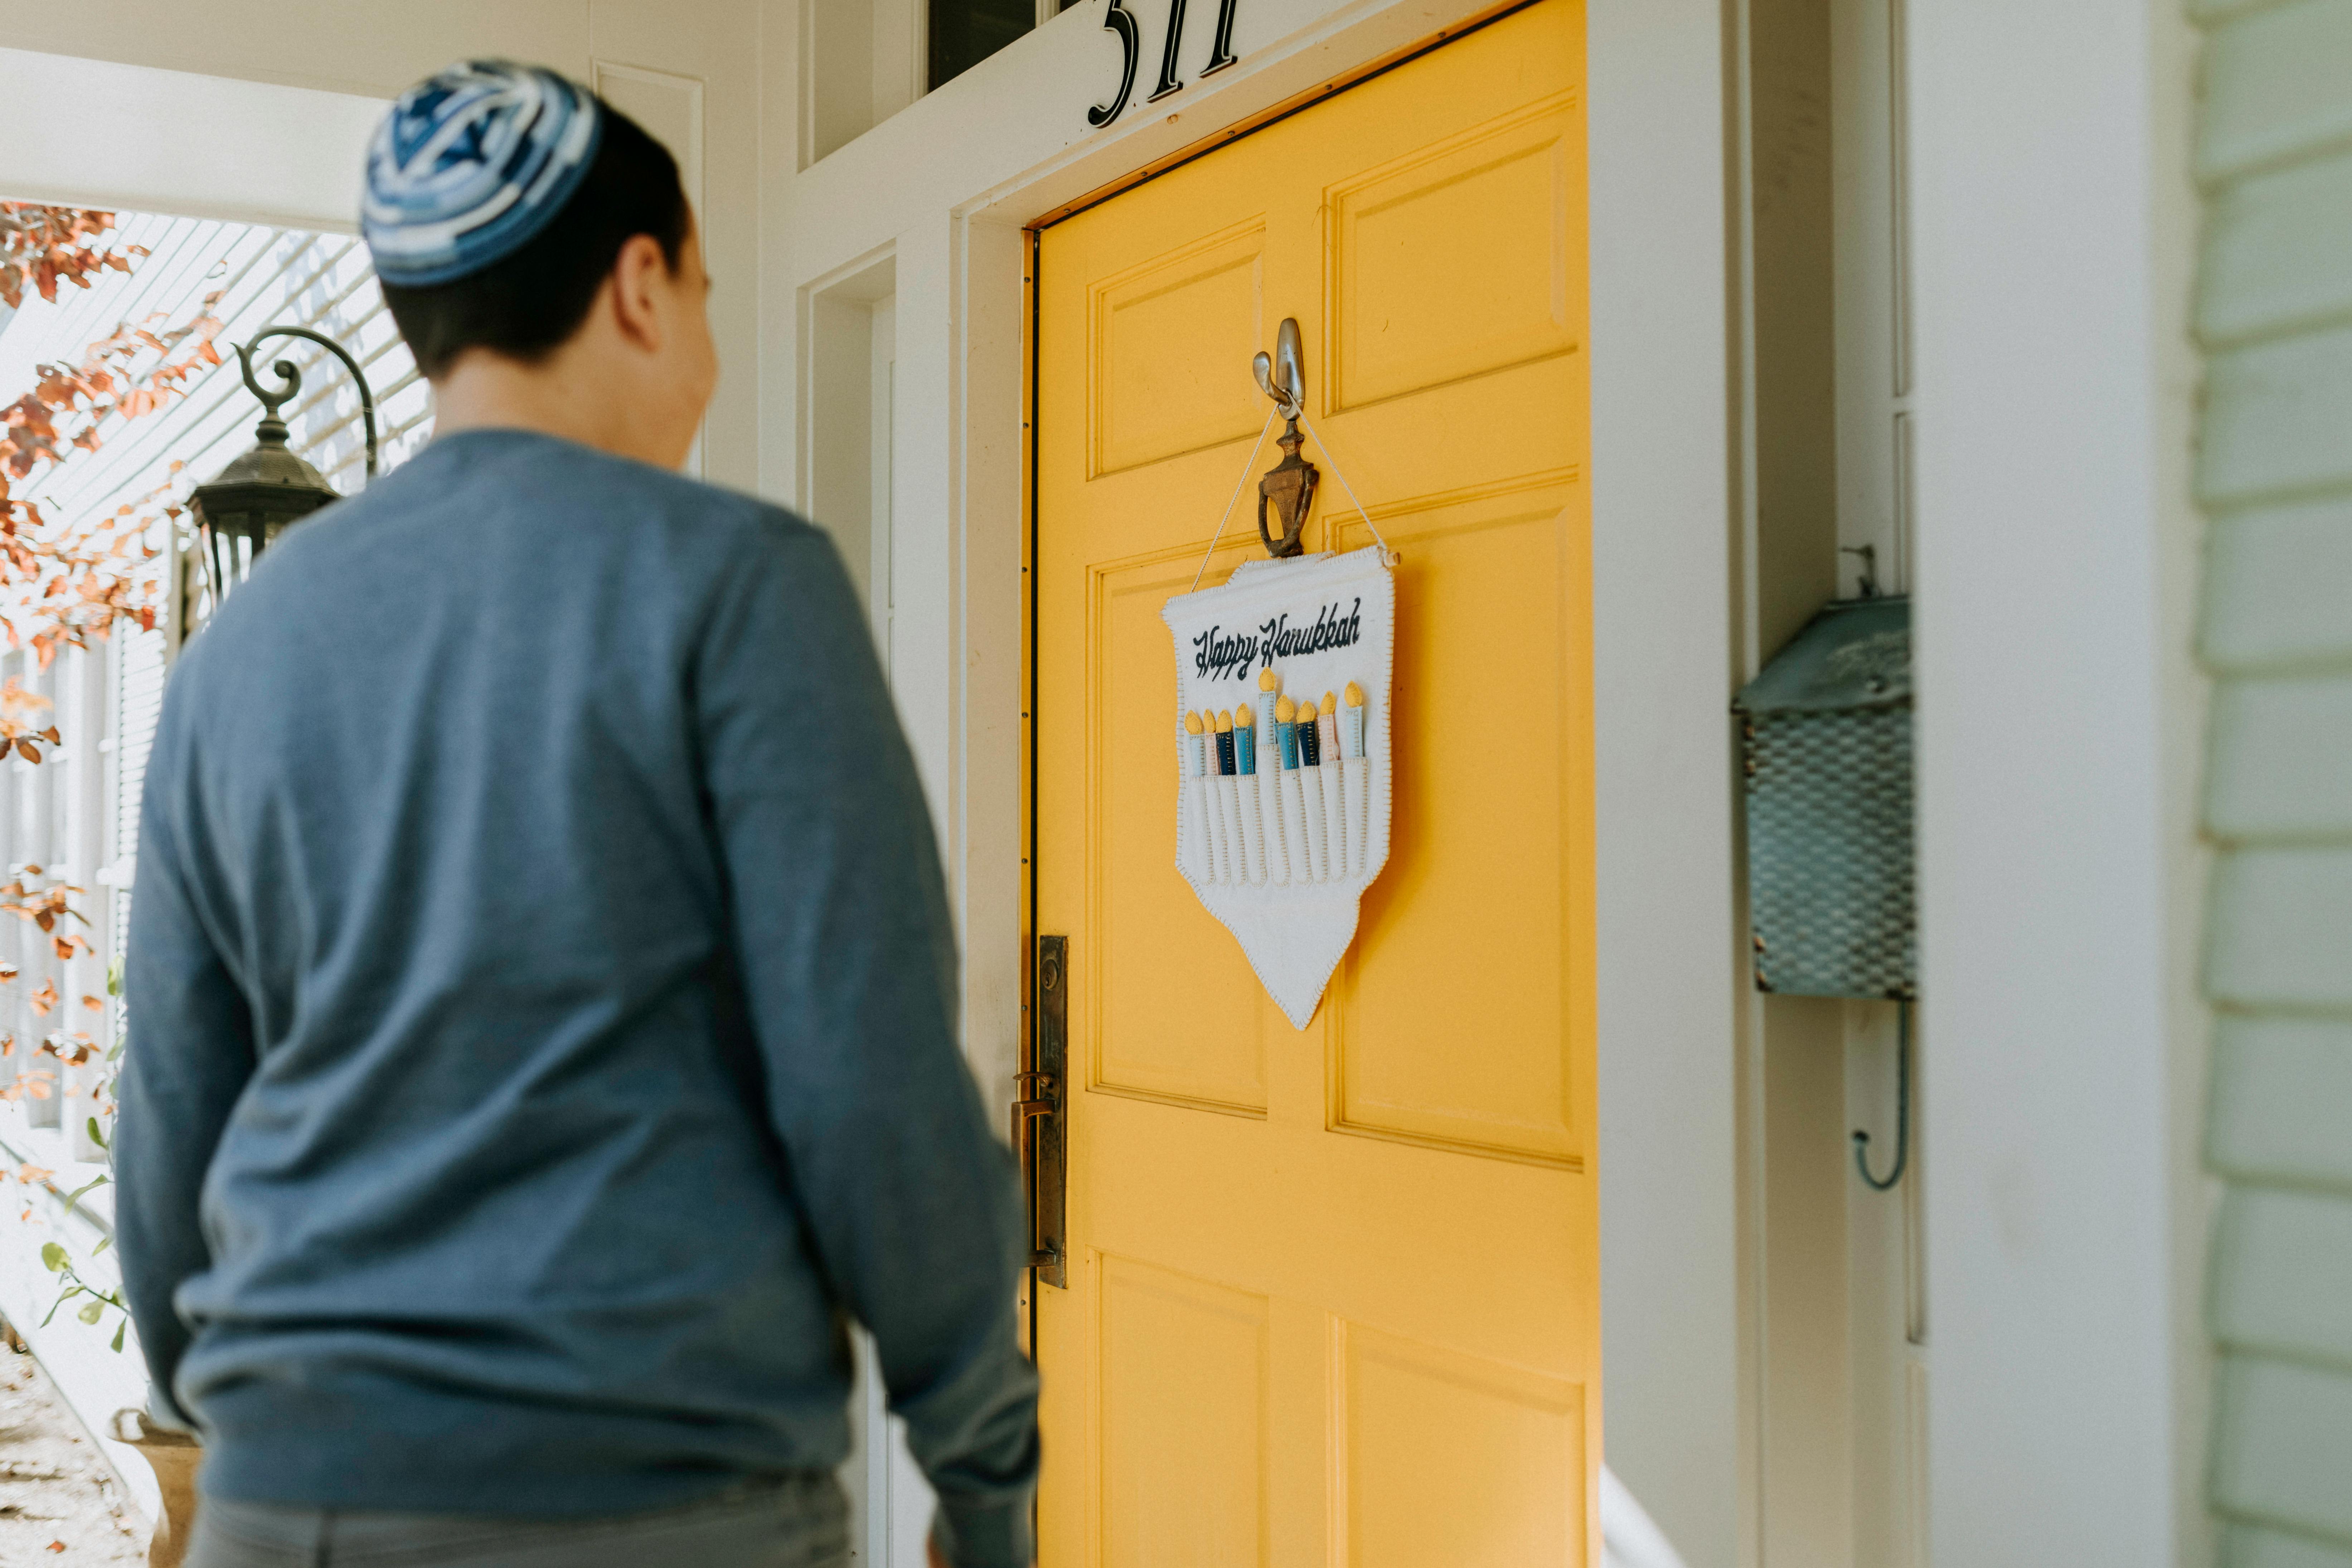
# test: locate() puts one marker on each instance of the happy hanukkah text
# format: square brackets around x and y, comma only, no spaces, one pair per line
[1220,656]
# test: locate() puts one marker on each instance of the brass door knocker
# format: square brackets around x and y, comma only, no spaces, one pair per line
[1289,486]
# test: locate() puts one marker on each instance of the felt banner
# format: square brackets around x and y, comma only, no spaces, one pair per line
[1284,758]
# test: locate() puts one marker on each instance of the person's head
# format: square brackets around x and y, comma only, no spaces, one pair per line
[535,246]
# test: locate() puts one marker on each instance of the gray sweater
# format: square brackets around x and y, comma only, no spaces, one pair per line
[543,1019]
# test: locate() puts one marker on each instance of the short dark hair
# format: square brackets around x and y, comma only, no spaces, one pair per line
[526,305]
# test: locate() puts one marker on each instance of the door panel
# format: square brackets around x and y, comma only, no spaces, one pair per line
[1481,638]
[1156,392]
[1452,260]
[1217,1059]
[1333,1293]
[1183,1401]
[1452,1459]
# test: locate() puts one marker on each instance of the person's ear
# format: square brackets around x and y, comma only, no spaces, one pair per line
[639,273]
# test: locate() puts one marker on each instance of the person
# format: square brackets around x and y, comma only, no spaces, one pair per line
[541,985]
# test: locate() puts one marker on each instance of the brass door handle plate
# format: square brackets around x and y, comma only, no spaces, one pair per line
[1038,1124]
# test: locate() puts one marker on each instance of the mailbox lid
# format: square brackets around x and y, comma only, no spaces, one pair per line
[1855,654]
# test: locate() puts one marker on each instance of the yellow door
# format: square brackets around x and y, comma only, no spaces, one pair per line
[1333,1295]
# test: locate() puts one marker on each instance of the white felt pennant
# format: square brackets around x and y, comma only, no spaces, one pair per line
[1282,856]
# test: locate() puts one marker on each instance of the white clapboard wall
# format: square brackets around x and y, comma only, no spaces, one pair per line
[2274,324]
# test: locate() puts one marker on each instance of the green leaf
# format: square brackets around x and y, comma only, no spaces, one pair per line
[53,1257]
[75,1196]
[120,1328]
[91,1314]
[103,1243]
[97,1137]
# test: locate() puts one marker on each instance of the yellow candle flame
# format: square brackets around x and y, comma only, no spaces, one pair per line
[1307,712]
[1268,681]
[1285,710]
[1242,717]
[1355,695]
[1192,723]
[1225,722]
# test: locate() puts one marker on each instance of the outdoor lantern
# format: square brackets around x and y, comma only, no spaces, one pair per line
[252,501]
[1826,732]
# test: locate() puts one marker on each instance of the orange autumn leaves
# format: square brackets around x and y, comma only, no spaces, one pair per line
[42,247]
[77,578]
[66,581]
[20,712]
[50,909]
[47,908]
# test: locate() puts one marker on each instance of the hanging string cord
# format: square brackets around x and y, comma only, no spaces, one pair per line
[1248,463]
[1387,556]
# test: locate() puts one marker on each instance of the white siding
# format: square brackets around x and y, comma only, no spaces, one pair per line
[2275,478]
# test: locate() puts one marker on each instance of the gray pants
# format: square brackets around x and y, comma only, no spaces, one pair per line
[799,1521]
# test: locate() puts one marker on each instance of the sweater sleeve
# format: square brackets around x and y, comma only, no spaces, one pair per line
[848,963]
[190,1054]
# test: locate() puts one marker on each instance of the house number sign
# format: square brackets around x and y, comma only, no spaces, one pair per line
[1120,20]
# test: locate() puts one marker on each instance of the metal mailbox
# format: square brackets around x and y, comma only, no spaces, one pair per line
[1826,734]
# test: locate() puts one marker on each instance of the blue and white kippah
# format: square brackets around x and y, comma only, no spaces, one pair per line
[470,165]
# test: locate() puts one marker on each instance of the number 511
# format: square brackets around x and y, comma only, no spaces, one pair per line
[1120,20]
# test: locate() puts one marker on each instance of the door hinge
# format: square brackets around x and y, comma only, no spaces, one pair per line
[1037,1130]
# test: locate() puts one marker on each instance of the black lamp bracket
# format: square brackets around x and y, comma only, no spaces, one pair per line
[291,376]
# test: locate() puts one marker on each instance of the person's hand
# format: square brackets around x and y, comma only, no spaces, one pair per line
[931,1549]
